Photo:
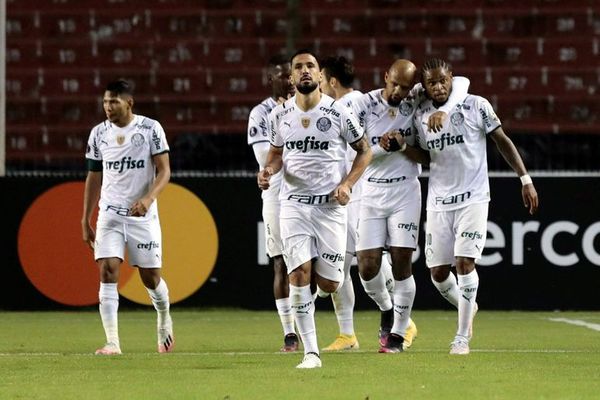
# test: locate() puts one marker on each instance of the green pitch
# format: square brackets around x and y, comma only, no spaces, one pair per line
[233,354]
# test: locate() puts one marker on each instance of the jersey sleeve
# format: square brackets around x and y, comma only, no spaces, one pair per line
[274,135]
[360,108]
[350,127]
[158,143]
[93,156]
[487,117]
[258,126]
[418,129]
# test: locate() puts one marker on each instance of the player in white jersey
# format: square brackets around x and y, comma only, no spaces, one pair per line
[309,135]
[128,166]
[459,192]
[338,77]
[390,207]
[278,74]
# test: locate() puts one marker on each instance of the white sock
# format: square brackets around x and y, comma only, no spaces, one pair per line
[404,297]
[376,290]
[109,307]
[284,309]
[303,308]
[467,286]
[160,300]
[388,275]
[343,303]
[448,289]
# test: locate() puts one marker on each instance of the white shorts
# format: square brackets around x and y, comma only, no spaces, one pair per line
[309,232]
[143,240]
[456,233]
[270,214]
[389,216]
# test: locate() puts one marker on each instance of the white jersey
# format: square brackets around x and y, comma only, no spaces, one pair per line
[458,169]
[378,117]
[125,155]
[258,132]
[314,148]
[348,100]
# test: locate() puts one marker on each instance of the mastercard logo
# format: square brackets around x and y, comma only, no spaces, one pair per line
[61,266]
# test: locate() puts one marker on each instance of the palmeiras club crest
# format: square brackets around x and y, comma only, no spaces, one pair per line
[323,124]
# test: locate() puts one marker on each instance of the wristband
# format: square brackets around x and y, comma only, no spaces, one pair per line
[403,147]
[525,180]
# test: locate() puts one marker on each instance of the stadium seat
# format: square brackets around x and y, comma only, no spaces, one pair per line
[515,80]
[568,81]
[575,51]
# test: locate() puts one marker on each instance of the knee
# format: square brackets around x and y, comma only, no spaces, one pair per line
[328,286]
[440,274]
[368,266]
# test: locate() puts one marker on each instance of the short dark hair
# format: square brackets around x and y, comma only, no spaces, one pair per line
[278,59]
[303,51]
[340,68]
[119,87]
[435,63]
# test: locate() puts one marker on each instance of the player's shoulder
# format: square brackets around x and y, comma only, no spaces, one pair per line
[101,128]
[146,124]
[264,107]
[284,108]
[333,107]
[473,102]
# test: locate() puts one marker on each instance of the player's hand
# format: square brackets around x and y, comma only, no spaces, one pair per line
[388,141]
[396,141]
[530,198]
[140,207]
[89,236]
[263,177]
[436,121]
[342,194]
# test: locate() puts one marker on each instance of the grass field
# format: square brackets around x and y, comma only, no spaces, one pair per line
[232,354]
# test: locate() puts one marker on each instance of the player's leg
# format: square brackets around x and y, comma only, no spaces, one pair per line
[299,250]
[471,232]
[281,288]
[303,308]
[343,303]
[109,253]
[403,228]
[144,246]
[159,295]
[439,253]
[445,282]
[343,299]
[109,304]
[386,270]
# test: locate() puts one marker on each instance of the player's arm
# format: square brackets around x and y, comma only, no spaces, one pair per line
[163,175]
[360,163]
[394,141]
[507,148]
[273,164]
[261,150]
[460,89]
[91,194]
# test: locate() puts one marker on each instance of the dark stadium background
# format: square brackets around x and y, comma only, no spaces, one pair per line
[199,67]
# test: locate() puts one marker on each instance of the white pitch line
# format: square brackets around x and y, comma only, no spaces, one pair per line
[263,353]
[578,322]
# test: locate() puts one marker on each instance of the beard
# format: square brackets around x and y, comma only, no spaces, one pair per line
[394,102]
[307,87]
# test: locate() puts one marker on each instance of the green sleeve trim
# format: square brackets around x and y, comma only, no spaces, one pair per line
[93,165]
